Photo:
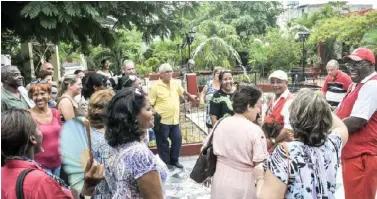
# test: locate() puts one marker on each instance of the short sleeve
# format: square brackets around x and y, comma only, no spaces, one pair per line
[214,107]
[259,146]
[152,95]
[180,89]
[324,87]
[366,104]
[277,163]
[139,161]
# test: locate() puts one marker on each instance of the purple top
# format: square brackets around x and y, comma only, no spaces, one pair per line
[122,175]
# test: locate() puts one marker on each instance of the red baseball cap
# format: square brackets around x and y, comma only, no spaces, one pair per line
[362,54]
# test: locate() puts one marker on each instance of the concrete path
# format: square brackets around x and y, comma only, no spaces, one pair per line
[180,186]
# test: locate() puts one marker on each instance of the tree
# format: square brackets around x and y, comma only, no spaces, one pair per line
[126,46]
[84,23]
[248,18]
[276,50]
[349,29]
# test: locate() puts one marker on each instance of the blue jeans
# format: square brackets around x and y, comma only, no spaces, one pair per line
[173,132]
[55,171]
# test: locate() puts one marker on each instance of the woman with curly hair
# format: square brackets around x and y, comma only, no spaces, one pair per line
[306,167]
[132,170]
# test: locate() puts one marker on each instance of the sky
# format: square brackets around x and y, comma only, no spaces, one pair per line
[373,2]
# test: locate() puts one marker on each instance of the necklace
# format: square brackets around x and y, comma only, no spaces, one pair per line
[56,178]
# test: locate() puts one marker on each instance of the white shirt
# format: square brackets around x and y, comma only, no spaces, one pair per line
[285,111]
[366,103]
[109,74]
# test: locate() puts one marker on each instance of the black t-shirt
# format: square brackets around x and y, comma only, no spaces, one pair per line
[221,104]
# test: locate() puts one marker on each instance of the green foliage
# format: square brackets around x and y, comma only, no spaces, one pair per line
[126,46]
[345,29]
[87,22]
[369,40]
[276,50]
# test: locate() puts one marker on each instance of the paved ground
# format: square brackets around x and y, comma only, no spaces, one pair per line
[180,186]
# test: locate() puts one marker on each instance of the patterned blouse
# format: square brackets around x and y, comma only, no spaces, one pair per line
[121,173]
[313,170]
[208,97]
[101,153]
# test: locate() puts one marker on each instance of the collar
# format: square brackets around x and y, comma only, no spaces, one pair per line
[10,95]
[368,77]
[161,83]
[284,94]
[22,164]
[338,74]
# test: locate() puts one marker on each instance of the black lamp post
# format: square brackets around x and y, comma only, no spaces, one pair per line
[303,36]
[190,38]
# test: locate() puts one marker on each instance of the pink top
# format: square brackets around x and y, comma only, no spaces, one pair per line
[50,158]
[239,143]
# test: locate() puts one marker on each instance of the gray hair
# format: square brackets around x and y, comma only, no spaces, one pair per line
[5,71]
[310,117]
[125,62]
[164,67]
[332,63]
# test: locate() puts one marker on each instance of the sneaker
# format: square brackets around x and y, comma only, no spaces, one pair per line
[178,165]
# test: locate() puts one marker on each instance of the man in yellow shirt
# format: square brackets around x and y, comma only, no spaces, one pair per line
[164,96]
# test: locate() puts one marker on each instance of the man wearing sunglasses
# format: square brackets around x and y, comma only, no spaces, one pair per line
[164,97]
[358,110]
[11,94]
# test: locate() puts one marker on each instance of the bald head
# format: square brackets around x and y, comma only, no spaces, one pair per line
[47,67]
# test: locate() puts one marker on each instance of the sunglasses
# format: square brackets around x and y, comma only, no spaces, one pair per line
[39,81]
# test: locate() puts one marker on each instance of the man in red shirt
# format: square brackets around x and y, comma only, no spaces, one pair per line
[358,110]
[336,83]
[277,111]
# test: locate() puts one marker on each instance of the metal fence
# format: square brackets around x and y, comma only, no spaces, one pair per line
[193,118]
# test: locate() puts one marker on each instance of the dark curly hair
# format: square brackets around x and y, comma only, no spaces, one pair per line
[91,81]
[310,117]
[121,124]
[246,95]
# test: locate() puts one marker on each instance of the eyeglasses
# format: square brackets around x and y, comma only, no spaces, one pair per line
[41,81]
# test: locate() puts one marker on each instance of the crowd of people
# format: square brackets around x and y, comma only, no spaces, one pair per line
[294,152]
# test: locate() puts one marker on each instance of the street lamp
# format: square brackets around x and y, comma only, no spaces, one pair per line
[190,38]
[303,36]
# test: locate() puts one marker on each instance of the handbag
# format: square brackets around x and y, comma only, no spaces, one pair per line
[205,165]
[20,183]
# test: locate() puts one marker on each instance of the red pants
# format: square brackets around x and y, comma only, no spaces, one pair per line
[360,177]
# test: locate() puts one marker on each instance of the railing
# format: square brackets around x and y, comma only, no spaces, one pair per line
[193,119]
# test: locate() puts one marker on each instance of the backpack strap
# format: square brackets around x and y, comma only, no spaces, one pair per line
[20,182]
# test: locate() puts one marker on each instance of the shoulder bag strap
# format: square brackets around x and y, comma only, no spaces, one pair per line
[20,182]
[211,138]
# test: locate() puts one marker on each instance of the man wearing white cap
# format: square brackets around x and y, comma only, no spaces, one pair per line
[358,110]
[277,111]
